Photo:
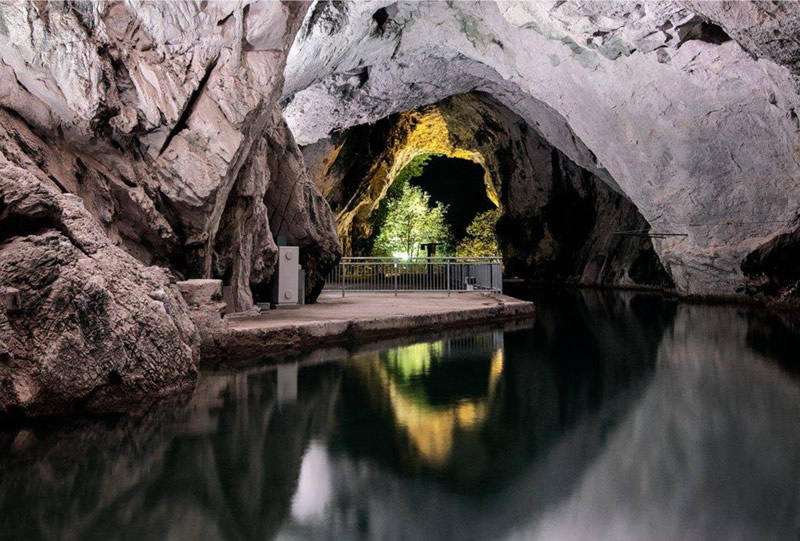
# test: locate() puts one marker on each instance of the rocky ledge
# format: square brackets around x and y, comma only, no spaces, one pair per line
[353,320]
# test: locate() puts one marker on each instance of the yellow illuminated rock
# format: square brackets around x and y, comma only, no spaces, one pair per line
[428,133]
[440,129]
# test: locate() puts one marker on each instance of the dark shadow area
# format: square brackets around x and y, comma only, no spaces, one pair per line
[776,335]
[773,269]
[458,184]
[698,28]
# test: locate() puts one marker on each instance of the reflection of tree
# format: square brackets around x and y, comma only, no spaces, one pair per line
[221,467]
[433,398]
[473,421]
[433,377]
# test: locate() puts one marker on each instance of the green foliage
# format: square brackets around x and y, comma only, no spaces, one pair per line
[410,220]
[395,192]
[406,365]
[406,218]
[481,239]
[413,169]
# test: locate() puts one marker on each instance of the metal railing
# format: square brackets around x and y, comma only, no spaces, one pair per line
[390,275]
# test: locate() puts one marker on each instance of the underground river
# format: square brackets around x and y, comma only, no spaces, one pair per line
[611,416]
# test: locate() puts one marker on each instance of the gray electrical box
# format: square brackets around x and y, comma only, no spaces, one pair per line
[286,289]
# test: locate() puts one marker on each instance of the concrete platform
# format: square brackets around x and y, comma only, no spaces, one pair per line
[355,318]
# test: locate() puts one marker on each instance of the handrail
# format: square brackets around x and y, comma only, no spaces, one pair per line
[423,259]
[391,274]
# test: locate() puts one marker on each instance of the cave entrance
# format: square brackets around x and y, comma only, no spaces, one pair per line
[436,205]
[458,184]
[553,221]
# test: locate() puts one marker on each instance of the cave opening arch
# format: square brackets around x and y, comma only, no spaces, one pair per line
[559,222]
[447,194]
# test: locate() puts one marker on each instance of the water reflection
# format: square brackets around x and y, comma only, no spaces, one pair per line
[617,416]
[710,451]
[221,466]
[437,393]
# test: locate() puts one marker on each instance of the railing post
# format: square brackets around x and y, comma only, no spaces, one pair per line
[342,278]
[448,277]
[395,279]
[499,268]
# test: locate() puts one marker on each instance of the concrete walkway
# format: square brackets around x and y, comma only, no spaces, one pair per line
[355,318]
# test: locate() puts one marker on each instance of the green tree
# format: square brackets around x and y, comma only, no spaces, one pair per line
[410,220]
[481,239]
[414,168]
[396,190]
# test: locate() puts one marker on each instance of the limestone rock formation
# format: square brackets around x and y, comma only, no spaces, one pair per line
[148,135]
[206,305]
[688,109]
[162,117]
[560,222]
[92,328]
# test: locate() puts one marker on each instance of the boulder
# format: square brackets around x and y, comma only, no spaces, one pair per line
[94,329]
[162,117]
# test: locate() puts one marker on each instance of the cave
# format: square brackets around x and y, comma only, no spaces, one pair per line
[560,222]
[207,327]
[453,186]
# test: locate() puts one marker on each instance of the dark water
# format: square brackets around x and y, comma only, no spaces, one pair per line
[614,416]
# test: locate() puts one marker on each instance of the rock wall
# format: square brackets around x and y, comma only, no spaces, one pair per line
[560,222]
[140,143]
[162,117]
[688,109]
